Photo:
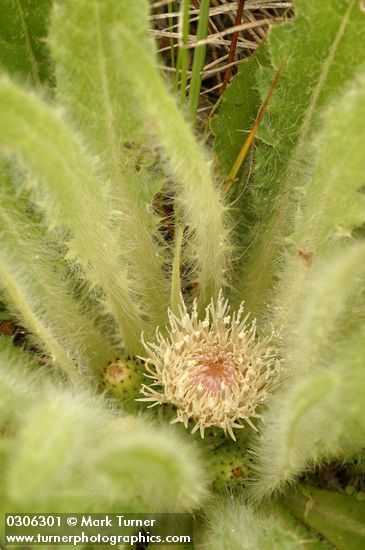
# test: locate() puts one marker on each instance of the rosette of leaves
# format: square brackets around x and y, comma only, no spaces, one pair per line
[110,207]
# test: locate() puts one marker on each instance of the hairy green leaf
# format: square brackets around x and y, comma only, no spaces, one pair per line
[90,83]
[34,254]
[339,518]
[93,459]
[198,200]
[25,295]
[240,106]
[234,524]
[331,304]
[322,48]
[21,380]
[331,204]
[199,59]
[318,415]
[23,32]
[100,102]
[68,190]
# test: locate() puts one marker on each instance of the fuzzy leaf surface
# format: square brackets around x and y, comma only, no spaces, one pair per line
[100,103]
[322,48]
[331,206]
[90,83]
[45,280]
[317,415]
[338,517]
[67,188]
[196,195]
[234,524]
[23,32]
[91,457]
[21,379]
[231,126]
[240,105]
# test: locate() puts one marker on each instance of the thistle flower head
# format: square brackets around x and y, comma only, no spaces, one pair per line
[215,371]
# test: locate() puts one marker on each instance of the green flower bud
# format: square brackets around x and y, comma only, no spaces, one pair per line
[122,378]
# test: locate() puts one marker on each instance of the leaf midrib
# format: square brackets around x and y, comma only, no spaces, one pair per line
[28,46]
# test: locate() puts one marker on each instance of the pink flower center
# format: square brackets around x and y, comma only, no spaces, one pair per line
[214,372]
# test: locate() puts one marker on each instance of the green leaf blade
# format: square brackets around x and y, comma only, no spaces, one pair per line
[331,204]
[89,82]
[338,517]
[23,47]
[318,413]
[318,46]
[35,253]
[67,188]
[240,106]
[100,103]
[198,200]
